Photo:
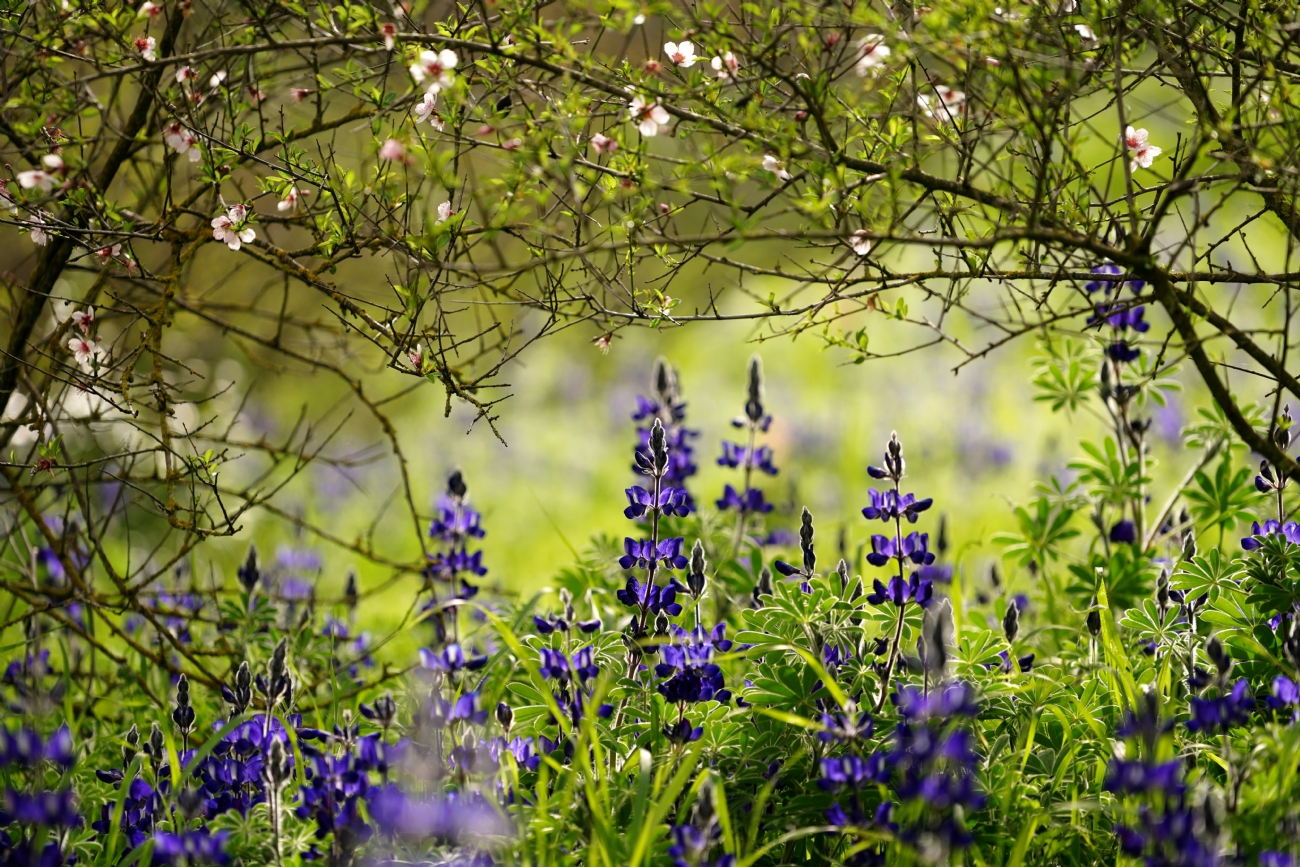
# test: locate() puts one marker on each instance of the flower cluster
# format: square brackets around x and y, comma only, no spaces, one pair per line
[748,456]
[668,407]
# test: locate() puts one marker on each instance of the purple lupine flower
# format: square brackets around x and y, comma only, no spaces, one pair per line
[1274,858]
[672,501]
[1109,269]
[889,506]
[751,502]
[1290,531]
[912,547]
[643,552]
[452,659]
[651,597]
[1223,712]
[688,665]
[681,732]
[845,726]
[1285,693]
[199,846]
[739,455]
[1123,532]
[454,521]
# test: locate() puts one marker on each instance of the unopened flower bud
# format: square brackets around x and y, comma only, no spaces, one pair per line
[456,485]
[248,574]
[754,399]
[1011,622]
[1094,622]
[505,716]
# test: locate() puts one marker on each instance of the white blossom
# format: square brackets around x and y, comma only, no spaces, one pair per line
[185,73]
[390,35]
[40,179]
[444,212]
[649,117]
[230,227]
[775,166]
[148,48]
[725,66]
[872,53]
[150,9]
[1085,32]
[416,356]
[84,319]
[436,65]
[7,201]
[860,243]
[424,110]
[681,53]
[1142,151]
[604,144]
[945,104]
[181,140]
[290,200]
[218,78]
[85,350]
[36,231]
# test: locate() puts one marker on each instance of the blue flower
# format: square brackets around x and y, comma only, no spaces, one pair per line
[739,455]
[672,501]
[751,502]
[681,732]
[889,506]
[1289,531]
[1110,269]
[651,597]
[643,552]
[1124,532]
[199,846]
[1285,693]
[899,592]
[452,659]
[1223,712]
[911,547]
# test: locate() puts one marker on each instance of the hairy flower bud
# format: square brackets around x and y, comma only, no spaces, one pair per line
[754,398]
[248,574]
[842,570]
[1282,430]
[132,746]
[350,595]
[1218,654]
[1189,546]
[1011,622]
[456,485]
[505,716]
[1094,622]
[763,587]
[695,577]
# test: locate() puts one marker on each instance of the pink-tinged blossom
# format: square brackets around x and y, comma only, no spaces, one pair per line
[291,199]
[424,110]
[775,166]
[150,9]
[860,243]
[602,342]
[649,116]
[512,144]
[36,231]
[298,93]
[181,140]
[85,350]
[681,53]
[106,255]
[944,104]
[40,179]
[7,201]
[389,31]
[444,212]
[230,227]
[185,73]
[1142,151]
[392,150]
[83,319]
[725,66]
[604,144]
[872,54]
[148,48]
[416,356]
[435,65]
[255,94]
